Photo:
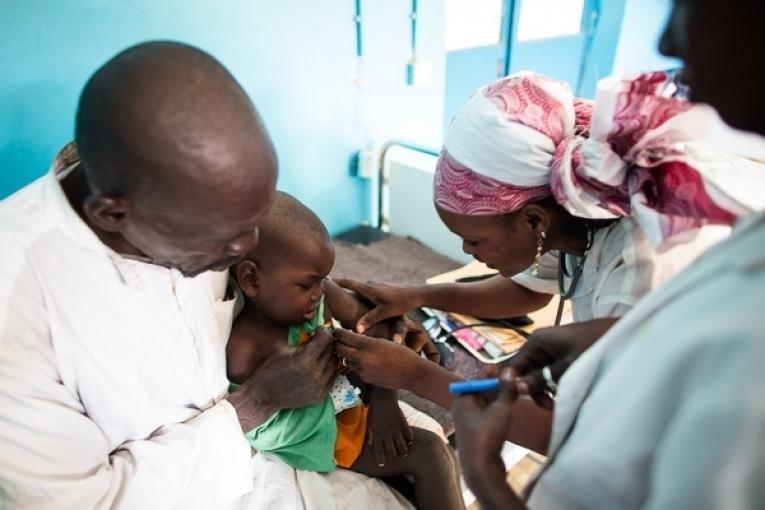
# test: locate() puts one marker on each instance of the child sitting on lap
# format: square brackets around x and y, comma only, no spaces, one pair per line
[287,298]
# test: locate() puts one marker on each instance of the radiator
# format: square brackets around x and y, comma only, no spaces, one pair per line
[406,201]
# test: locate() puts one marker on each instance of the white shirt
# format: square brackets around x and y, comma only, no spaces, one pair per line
[112,372]
[667,410]
[112,379]
[621,267]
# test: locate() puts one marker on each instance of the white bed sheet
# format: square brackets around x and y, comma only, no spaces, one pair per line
[278,486]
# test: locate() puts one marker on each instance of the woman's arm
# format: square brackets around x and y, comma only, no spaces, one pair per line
[494,298]
[374,358]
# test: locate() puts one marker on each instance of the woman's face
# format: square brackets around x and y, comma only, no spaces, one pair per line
[503,242]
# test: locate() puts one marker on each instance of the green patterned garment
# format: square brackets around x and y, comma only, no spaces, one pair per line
[303,438]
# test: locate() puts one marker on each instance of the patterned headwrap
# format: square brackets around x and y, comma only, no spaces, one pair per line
[525,137]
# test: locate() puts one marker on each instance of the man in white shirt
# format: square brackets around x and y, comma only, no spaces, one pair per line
[113,308]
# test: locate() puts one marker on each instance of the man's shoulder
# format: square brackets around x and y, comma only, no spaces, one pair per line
[26,214]
[23,223]
[24,206]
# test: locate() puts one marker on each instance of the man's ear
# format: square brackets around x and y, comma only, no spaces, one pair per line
[107,213]
[248,278]
[536,218]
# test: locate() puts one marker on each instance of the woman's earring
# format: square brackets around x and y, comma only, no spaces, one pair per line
[538,257]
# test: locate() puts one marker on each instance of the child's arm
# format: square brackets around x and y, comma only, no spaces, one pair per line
[244,353]
[387,428]
[348,309]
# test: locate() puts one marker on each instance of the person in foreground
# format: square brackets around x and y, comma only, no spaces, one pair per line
[288,296]
[667,409]
[113,316]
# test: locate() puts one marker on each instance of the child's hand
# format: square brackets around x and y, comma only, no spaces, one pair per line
[387,430]
[417,339]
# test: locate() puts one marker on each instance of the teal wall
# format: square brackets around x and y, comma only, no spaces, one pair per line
[295,58]
[639,35]
[600,51]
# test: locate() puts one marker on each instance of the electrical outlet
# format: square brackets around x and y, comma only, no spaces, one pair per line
[366,163]
[419,72]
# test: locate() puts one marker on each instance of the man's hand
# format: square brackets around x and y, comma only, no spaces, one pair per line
[378,361]
[389,300]
[556,348]
[387,429]
[292,377]
[481,429]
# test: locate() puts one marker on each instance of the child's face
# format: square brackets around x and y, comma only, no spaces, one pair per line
[289,291]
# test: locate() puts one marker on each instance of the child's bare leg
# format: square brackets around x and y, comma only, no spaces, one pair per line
[432,464]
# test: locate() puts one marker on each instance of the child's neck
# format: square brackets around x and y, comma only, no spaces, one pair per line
[263,324]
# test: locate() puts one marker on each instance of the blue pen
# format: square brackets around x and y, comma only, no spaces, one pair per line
[474,386]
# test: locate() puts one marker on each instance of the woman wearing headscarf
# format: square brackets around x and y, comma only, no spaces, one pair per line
[561,201]
[600,202]
[667,409]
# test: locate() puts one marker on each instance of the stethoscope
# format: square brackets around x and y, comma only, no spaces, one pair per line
[563,273]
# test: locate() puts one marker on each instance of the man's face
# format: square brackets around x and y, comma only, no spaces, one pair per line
[218,241]
[201,232]
[720,45]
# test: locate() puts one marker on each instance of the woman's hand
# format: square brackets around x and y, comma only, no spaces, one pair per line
[388,431]
[390,365]
[389,300]
[481,429]
[378,361]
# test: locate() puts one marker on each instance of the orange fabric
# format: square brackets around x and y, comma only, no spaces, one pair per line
[351,423]
[351,432]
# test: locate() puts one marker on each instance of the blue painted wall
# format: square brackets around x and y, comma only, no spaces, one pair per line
[564,58]
[296,59]
[641,29]
[600,51]
[625,39]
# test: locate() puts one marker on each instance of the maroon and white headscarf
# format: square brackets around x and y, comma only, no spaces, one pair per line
[525,137]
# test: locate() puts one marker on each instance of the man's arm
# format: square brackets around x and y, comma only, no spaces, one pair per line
[302,375]
[52,455]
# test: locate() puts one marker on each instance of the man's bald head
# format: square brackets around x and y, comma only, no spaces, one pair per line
[168,139]
[165,111]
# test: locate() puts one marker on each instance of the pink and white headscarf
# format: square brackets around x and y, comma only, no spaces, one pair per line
[525,137]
